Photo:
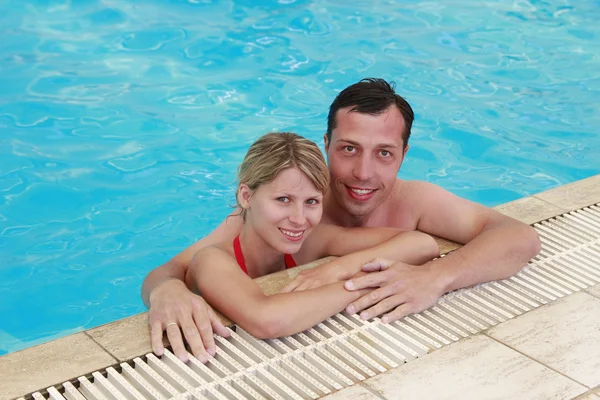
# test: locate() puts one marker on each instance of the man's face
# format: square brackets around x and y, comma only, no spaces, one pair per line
[364,156]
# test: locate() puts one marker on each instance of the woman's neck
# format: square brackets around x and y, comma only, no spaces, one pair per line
[260,258]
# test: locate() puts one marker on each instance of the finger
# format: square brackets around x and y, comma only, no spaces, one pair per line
[176,341]
[375,279]
[371,298]
[378,264]
[193,338]
[384,305]
[399,312]
[217,324]
[203,329]
[371,267]
[156,334]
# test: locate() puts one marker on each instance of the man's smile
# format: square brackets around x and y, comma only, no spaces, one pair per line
[361,194]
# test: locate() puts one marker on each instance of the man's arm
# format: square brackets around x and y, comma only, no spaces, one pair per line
[175,309]
[495,247]
[357,246]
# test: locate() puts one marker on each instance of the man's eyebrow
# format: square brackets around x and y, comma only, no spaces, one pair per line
[379,145]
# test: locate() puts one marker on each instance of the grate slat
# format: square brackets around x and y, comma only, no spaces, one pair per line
[90,391]
[55,394]
[121,384]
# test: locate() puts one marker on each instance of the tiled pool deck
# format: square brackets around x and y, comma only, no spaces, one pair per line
[552,352]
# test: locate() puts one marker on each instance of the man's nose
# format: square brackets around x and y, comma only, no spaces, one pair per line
[363,168]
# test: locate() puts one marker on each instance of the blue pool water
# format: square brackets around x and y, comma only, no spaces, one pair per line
[122,122]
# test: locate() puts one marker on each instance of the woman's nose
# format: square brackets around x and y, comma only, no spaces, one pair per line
[297,216]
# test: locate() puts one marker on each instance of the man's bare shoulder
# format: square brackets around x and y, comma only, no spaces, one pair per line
[408,195]
[422,194]
[409,190]
[411,200]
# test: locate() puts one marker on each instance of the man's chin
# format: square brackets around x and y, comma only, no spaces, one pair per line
[359,209]
[354,207]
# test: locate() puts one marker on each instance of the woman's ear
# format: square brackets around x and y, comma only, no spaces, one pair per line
[244,194]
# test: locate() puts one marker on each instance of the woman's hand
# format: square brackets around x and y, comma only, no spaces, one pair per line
[176,310]
[316,277]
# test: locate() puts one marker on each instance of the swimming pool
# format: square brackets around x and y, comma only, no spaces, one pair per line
[122,123]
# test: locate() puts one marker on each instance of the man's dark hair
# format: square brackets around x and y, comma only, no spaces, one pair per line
[370,96]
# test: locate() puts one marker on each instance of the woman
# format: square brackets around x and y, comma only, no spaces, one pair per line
[282,181]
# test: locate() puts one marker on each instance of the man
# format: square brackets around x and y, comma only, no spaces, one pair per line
[367,136]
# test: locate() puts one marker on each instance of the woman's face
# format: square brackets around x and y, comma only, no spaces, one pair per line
[285,210]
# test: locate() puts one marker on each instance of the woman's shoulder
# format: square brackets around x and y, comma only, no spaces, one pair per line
[215,251]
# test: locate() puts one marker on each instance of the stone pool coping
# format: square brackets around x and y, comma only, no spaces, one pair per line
[57,361]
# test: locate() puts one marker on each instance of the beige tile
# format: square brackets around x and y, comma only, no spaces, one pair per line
[446,245]
[594,290]
[530,210]
[564,335]
[474,368]
[574,195]
[126,338]
[588,396]
[49,364]
[356,392]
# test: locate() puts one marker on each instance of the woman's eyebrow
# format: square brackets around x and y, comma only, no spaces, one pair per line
[287,194]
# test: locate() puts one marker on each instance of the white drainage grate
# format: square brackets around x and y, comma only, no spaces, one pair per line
[344,350]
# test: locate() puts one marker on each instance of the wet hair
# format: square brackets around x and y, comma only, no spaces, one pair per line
[370,96]
[276,152]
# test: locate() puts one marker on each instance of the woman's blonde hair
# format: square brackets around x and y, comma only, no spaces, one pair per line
[275,152]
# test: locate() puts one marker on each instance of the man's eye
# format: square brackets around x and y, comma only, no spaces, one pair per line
[283,199]
[385,153]
[348,149]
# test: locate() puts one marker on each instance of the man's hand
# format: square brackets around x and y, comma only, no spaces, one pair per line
[174,309]
[402,289]
[316,277]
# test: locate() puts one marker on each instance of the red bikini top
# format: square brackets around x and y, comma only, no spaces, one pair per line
[239,257]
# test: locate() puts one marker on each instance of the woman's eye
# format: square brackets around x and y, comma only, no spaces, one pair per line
[283,199]
[312,201]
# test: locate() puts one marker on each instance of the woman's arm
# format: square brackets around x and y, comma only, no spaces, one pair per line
[224,285]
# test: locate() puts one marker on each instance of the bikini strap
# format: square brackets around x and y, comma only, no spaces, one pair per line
[239,257]
[289,261]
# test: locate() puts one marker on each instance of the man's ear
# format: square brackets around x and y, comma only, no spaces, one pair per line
[244,194]
[326,143]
